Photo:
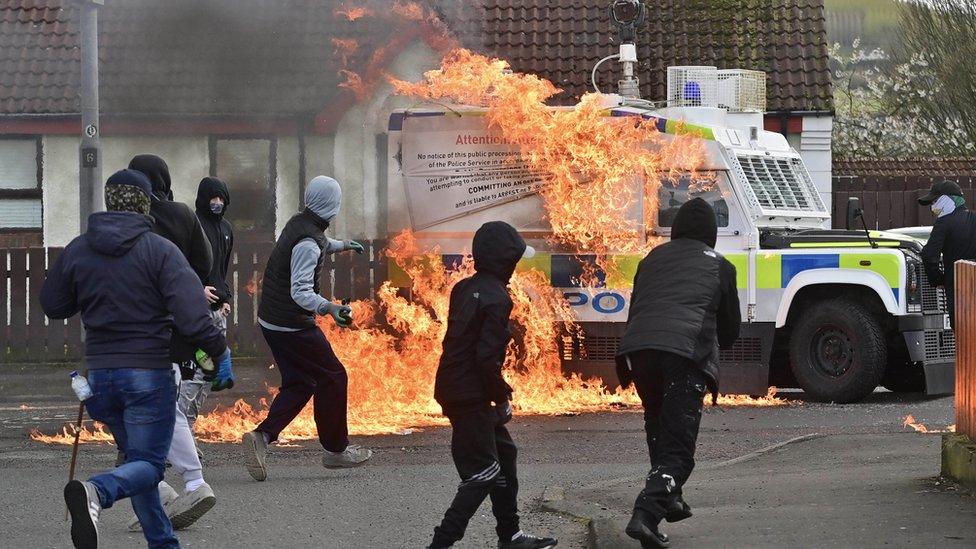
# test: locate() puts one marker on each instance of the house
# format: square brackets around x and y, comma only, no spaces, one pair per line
[266,93]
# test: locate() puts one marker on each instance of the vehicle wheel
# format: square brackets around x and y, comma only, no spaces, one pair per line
[838,351]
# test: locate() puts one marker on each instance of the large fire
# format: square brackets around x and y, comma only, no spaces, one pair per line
[597,168]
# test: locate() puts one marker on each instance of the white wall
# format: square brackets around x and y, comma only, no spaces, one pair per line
[287,184]
[355,155]
[188,159]
[815,150]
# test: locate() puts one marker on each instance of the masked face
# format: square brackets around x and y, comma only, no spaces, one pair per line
[216,205]
[943,206]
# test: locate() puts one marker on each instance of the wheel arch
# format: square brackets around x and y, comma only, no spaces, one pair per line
[829,283]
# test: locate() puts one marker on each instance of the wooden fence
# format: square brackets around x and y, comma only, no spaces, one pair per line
[966,348]
[26,335]
[890,202]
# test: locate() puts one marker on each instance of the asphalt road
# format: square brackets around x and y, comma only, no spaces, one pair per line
[397,499]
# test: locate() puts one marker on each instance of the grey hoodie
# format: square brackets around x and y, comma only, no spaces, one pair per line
[323,197]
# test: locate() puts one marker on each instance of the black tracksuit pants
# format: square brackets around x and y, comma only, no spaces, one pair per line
[309,370]
[484,455]
[672,390]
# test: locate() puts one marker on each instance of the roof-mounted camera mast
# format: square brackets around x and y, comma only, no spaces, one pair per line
[628,15]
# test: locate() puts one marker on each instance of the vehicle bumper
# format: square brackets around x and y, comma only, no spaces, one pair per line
[932,345]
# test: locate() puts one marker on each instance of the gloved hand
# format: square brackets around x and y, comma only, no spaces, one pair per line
[342,314]
[354,246]
[504,411]
[225,374]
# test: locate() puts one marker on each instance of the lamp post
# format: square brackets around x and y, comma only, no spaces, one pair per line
[90,168]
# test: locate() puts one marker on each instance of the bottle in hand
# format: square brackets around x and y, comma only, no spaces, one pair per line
[80,386]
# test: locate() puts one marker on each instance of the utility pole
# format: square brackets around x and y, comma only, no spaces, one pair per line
[90,168]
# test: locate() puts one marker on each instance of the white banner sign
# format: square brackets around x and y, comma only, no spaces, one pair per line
[453,165]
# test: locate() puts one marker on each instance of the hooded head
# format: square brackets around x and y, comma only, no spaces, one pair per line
[158,173]
[497,248]
[210,188]
[695,220]
[128,191]
[323,197]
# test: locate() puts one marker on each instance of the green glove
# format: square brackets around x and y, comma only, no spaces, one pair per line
[341,314]
[354,246]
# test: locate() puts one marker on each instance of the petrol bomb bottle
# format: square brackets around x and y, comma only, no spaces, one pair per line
[206,364]
[80,386]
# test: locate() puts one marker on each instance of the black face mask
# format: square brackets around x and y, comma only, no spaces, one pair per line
[217,209]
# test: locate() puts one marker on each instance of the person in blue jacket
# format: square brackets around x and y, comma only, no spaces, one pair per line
[131,287]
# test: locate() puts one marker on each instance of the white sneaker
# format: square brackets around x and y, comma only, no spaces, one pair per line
[255,454]
[353,456]
[82,500]
[166,495]
[190,506]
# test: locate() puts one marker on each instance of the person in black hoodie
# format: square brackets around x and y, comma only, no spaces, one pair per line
[212,202]
[474,395]
[684,306]
[177,223]
[130,286]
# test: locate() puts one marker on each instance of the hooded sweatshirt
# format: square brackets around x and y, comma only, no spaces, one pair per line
[219,232]
[174,221]
[290,296]
[470,370]
[132,287]
[685,299]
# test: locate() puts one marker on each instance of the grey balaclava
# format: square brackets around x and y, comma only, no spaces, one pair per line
[323,197]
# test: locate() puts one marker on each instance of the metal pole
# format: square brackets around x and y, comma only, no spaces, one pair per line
[90,169]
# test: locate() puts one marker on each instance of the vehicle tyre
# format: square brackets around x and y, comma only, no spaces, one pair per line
[838,351]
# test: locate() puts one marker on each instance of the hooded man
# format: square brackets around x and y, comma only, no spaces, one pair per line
[175,222]
[290,304]
[953,238]
[212,201]
[683,307]
[131,287]
[474,395]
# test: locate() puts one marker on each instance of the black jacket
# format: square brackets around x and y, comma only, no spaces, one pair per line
[953,238]
[470,370]
[277,306]
[130,286]
[219,232]
[174,221]
[684,300]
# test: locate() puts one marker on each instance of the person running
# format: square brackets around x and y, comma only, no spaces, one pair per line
[475,397]
[308,366]
[175,222]
[130,286]
[683,307]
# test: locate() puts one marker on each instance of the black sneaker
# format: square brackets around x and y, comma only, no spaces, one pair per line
[643,528]
[525,541]
[677,510]
[84,506]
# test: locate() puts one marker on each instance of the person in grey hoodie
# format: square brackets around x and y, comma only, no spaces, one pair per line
[290,303]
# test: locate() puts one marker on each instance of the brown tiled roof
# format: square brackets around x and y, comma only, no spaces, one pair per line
[276,57]
[562,39]
[910,167]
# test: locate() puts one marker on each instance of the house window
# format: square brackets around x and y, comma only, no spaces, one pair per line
[248,167]
[20,184]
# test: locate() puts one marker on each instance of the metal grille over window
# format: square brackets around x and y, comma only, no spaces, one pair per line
[780,184]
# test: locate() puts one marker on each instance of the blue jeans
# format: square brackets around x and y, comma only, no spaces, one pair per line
[139,406]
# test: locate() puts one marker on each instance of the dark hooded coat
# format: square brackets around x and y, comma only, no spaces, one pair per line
[131,287]
[174,221]
[219,232]
[684,300]
[470,370]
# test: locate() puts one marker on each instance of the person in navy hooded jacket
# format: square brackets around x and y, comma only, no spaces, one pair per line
[131,287]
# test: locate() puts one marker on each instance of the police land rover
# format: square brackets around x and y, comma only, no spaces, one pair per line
[834,312]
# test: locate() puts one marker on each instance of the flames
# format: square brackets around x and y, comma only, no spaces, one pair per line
[921,428]
[97,433]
